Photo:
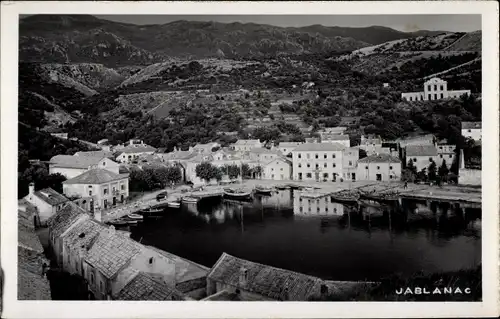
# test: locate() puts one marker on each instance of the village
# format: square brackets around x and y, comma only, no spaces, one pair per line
[73,232]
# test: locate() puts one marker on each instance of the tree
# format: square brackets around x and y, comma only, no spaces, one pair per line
[257,170]
[174,174]
[422,175]
[408,176]
[246,171]
[411,167]
[207,171]
[232,171]
[432,171]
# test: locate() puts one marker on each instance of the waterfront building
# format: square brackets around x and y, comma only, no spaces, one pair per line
[318,161]
[350,159]
[379,167]
[47,202]
[286,148]
[446,153]
[32,283]
[59,224]
[233,278]
[71,166]
[423,155]
[132,152]
[278,168]
[336,138]
[322,206]
[104,187]
[434,89]
[472,130]
[262,154]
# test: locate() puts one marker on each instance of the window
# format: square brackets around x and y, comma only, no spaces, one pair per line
[300,209]
[325,175]
[333,155]
[123,187]
[105,191]
[300,199]
[324,165]
[415,159]
[378,167]
[442,87]
[429,88]
[272,176]
[440,147]
[324,155]
[103,163]
[429,96]
[430,159]
[309,175]
[300,165]
[411,99]
[334,165]
[300,155]
[451,156]
[317,209]
[435,87]
[317,165]
[390,176]
[390,167]
[435,96]
[316,156]
[366,167]
[308,165]
[100,286]
[92,278]
[350,163]
[90,193]
[442,96]
[440,155]
[272,169]
[151,260]
[469,131]
[281,169]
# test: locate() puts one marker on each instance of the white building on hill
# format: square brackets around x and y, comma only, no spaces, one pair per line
[472,130]
[318,161]
[434,89]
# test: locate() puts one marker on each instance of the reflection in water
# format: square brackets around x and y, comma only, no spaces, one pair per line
[321,237]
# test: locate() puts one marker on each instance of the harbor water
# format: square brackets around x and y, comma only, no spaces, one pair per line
[320,237]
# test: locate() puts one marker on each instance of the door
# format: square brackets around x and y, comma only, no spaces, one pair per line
[317,176]
[379,177]
[105,203]
[353,177]
[121,198]
[114,201]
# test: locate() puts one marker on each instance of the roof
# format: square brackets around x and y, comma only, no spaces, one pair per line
[63,219]
[51,197]
[380,158]
[110,252]
[137,149]
[70,161]
[99,154]
[263,150]
[471,125]
[334,137]
[82,235]
[279,158]
[421,150]
[25,213]
[289,144]
[325,147]
[31,286]
[144,287]
[96,176]
[264,280]
[28,239]
[435,80]
[246,142]
[179,155]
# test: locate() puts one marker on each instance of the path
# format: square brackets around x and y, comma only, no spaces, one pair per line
[451,69]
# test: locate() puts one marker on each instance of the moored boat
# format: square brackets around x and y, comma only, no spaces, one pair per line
[237,193]
[152,212]
[174,204]
[282,187]
[134,216]
[384,197]
[189,199]
[348,197]
[263,190]
[123,221]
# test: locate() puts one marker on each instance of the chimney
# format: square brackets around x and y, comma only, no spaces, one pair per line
[31,188]
[243,277]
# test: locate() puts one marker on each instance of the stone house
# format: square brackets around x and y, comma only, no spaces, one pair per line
[72,166]
[279,168]
[145,287]
[246,145]
[232,278]
[47,202]
[472,130]
[423,155]
[350,163]
[379,167]
[318,161]
[105,188]
[286,148]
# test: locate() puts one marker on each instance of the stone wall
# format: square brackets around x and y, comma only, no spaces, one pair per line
[469,176]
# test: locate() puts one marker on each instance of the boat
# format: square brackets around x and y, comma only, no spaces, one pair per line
[384,197]
[237,193]
[174,204]
[347,197]
[189,199]
[263,190]
[123,221]
[134,216]
[152,212]
[282,187]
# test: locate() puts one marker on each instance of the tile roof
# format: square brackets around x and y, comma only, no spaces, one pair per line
[61,221]
[25,213]
[263,150]
[82,236]
[334,137]
[144,287]
[99,154]
[137,149]
[28,239]
[325,147]
[51,197]
[271,282]
[96,176]
[380,158]
[289,144]
[31,286]
[179,155]
[246,142]
[111,251]
[70,161]
[471,125]
[421,150]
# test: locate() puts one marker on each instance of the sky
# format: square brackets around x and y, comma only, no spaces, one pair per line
[407,23]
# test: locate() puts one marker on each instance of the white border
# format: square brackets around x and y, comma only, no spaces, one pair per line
[86,309]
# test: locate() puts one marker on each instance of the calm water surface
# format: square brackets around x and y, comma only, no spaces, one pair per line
[322,238]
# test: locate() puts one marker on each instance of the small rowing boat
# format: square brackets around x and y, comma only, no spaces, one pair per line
[174,204]
[348,197]
[189,199]
[385,197]
[237,193]
[134,217]
[263,190]
[152,212]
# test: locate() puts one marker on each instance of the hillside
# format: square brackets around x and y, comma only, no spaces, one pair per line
[87,39]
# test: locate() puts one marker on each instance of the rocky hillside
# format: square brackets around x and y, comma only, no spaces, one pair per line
[87,39]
